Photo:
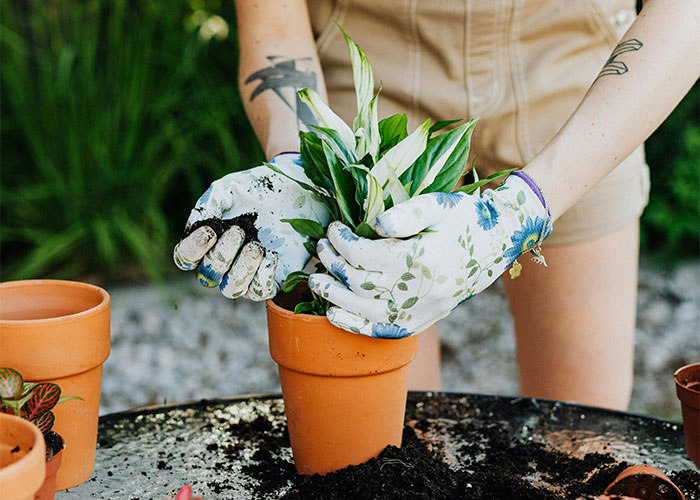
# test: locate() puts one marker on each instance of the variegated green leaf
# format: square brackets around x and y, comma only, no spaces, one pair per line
[307,227]
[314,189]
[368,134]
[293,280]
[365,124]
[363,79]
[446,145]
[344,186]
[331,137]
[454,167]
[471,188]
[402,156]
[364,230]
[392,130]
[439,125]
[314,161]
[395,189]
[359,176]
[374,203]
[326,117]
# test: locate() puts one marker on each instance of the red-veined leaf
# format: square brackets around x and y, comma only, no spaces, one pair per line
[45,397]
[11,383]
[45,422]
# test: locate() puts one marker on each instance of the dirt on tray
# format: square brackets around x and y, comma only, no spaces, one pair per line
[421,469]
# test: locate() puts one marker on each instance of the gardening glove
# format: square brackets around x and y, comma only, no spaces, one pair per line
[235,239]
[457,245]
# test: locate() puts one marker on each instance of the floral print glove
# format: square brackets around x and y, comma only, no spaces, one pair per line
[456,245]
[255,254]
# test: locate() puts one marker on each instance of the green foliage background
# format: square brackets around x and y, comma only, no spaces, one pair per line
[116,115]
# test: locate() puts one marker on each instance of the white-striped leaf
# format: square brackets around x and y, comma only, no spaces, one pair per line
[437,165]
[374,203]
[398,192]
[402,156]
[326,117]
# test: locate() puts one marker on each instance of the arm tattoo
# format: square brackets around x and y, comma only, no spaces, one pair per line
[284,78]
[615,67]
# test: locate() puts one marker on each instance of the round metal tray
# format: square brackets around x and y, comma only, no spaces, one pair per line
[151,452]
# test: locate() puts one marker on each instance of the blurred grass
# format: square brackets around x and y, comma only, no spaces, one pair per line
[116,115]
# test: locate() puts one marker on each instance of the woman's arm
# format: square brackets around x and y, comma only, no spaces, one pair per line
[277,58]
[649,72]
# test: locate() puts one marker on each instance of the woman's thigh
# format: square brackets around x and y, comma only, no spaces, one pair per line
[575,320]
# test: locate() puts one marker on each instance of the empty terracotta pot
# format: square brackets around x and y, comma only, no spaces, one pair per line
[58,331]
[645,483]
[22,458]
[344,394]
[687,381]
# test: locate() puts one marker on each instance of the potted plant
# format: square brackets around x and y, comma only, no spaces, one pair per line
[22,462]
[58,331]
[345,393]
[35,402]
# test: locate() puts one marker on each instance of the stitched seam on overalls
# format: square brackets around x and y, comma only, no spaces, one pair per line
[415,56]
[519,89]
[331,30]
[496,96]
[600,18]
[465,56]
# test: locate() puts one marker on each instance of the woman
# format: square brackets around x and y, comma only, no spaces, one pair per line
[565,90]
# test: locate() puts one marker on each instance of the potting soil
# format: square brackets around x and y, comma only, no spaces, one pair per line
[454,446]
[245,221]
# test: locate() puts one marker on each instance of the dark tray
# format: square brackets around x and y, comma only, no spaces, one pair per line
[149,453]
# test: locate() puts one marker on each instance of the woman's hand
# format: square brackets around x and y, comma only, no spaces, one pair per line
[239,262]
[440,250]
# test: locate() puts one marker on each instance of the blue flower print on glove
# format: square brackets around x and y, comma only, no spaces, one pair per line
[488,215]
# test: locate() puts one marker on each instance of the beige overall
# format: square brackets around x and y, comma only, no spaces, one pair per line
[520,66]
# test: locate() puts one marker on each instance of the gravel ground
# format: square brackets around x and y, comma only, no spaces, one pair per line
[184,342]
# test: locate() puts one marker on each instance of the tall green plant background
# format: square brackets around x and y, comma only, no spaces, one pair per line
[116,115]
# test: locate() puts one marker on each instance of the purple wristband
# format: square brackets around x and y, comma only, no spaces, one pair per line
[535,188]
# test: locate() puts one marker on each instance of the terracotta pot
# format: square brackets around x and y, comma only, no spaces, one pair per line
[687,381]
[58,331]
[48,487]
[344,394]
[646,483]
[22,458]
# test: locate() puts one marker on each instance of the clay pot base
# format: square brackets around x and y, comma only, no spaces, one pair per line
[645,483]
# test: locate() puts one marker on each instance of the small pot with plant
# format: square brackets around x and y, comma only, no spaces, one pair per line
[35,402]
[345,393]
[58,331]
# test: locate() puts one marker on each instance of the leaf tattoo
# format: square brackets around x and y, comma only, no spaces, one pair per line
[615,67]
[284,78]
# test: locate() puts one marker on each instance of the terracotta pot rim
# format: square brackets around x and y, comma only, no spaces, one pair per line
[104,302]
[677,374]
[286,313]
[36,454]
